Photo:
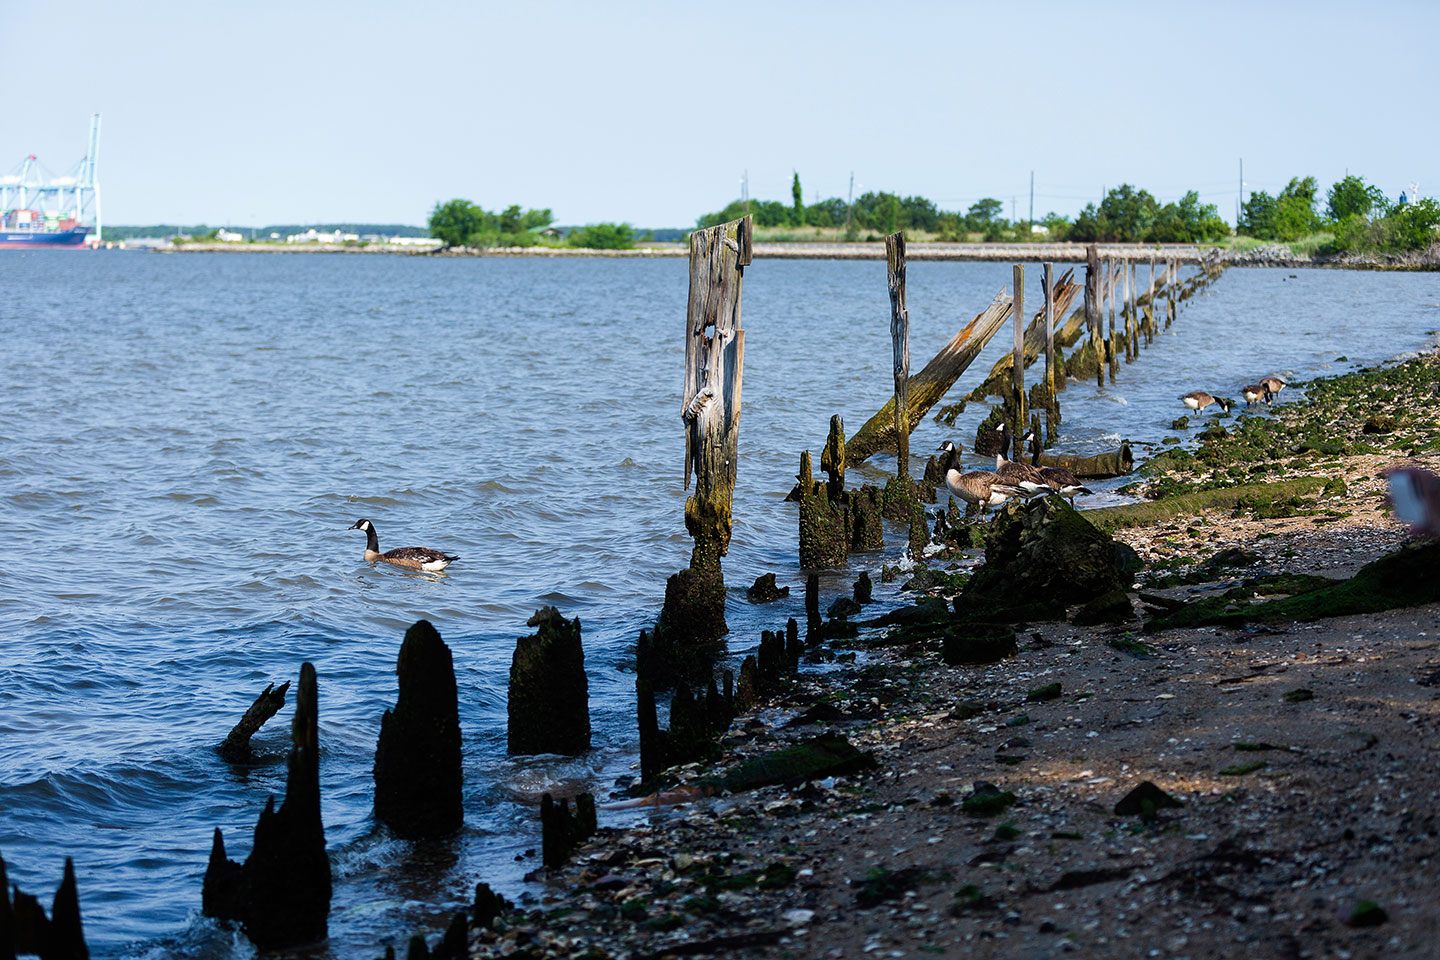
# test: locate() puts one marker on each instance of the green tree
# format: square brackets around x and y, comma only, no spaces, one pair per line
[1351,197]
[1295,215]
[769,213]
[918,213]
[890,215]
[603,236]
[983,213]
[535,219]
[1257,216]
[797,202]
[1188,221]
[456,222]
[827,213]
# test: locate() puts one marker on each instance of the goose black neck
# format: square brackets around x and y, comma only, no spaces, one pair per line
[372,542]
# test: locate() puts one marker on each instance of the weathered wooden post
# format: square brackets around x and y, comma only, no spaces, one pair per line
[1150,305]
[900,342]
[714,357]
[1017,370]
[1131,349]
[1172,274]
[1113,285]
[1052,406]
[1094,308]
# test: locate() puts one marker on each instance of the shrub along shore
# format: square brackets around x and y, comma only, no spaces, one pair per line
[1264,782]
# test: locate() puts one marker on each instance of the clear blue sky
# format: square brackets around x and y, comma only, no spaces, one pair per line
[295,112]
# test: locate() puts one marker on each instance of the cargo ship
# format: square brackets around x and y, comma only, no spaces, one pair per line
[40,211]
[27,229]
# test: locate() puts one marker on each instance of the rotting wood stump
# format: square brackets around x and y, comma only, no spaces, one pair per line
[549,697]
[24,928]
[281,894]
[418,776]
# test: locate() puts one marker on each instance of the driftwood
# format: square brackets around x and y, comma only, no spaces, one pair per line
[710,408]
[931,383]
[1187,504]
[236,746]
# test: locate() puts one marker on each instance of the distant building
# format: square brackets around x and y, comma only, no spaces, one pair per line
[229,236]
[413,241]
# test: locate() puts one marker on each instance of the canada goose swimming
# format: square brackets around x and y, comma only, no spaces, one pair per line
[1062,481]
[1274,383]
[980,487]
[1198,400]
[1017,472]
[416,558]
[1256,393]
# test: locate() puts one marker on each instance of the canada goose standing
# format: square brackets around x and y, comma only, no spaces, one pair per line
[1274,383]
[416,558]
[980,487]
[1198,400]
[1017,472]
[1255,393]
[1062,481]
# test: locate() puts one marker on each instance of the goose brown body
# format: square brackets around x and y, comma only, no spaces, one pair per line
[415,558]
[1061,481]
[1255,393]
[980,487]
[1017,472]
[1198,400]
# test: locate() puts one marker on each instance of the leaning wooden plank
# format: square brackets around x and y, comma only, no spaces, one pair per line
[931,383]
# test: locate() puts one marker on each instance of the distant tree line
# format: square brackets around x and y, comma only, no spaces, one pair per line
[460,223]
[1359,217]
[1125,214]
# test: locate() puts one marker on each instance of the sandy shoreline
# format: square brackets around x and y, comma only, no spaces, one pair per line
[1304,754]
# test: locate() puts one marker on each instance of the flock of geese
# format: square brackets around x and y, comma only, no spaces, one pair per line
[1265,391]
[1011,479]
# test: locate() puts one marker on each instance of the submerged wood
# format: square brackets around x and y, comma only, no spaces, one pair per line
[710,407]
[236,746]
[932,382]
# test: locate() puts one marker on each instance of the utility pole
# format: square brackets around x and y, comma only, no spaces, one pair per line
[1240,197]
[850,203]
[1031,223]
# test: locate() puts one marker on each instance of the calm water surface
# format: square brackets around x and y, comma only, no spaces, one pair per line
[185,439]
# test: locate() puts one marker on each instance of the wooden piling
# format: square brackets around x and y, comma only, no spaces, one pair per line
[1052,406]
[1112,361]
[1094,308]
[1172,274]
[714,358]
[1017,371]
[1150,305]
[1128,269]
[900,344]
